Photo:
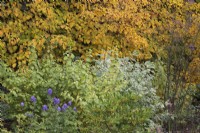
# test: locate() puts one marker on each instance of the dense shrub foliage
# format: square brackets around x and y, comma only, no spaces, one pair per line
[54,26]
[99,66]
[109,95]
[128,108]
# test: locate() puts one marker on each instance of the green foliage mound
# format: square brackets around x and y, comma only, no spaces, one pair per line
[108,94]
[130,108]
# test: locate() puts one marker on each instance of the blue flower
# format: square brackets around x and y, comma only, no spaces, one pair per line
[64,107]
[56,101]
[75,109]
[22,104]
[59,108]
[33,99]
[50,91]
[70,103]
[45,107]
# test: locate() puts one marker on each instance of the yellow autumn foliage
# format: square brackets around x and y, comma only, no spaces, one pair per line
[117,25]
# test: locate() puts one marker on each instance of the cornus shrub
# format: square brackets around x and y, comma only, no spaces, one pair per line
[130,107]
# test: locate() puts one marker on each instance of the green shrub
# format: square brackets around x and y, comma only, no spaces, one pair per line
[34,81]
[111,95]
[126,108]
[54,116]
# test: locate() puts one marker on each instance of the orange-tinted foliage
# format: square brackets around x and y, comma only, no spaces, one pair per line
[100,25]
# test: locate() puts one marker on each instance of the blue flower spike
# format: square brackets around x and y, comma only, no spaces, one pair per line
[33,99]
[44,107]
[50,91]
[56,101]
[75,109]
[64,107]
[59,108]
[22,104]
[70,103]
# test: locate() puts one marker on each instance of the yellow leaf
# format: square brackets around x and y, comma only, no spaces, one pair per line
[1,33]
[14,65]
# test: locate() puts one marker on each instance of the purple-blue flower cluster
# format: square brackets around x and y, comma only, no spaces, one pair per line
[59,108]
[50,91]
[22,104]
[70,103]
[64,107]
[56,102]
[75,109]
[33,99]
[45,107]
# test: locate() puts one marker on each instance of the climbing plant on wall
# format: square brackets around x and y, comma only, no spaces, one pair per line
[146,26]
